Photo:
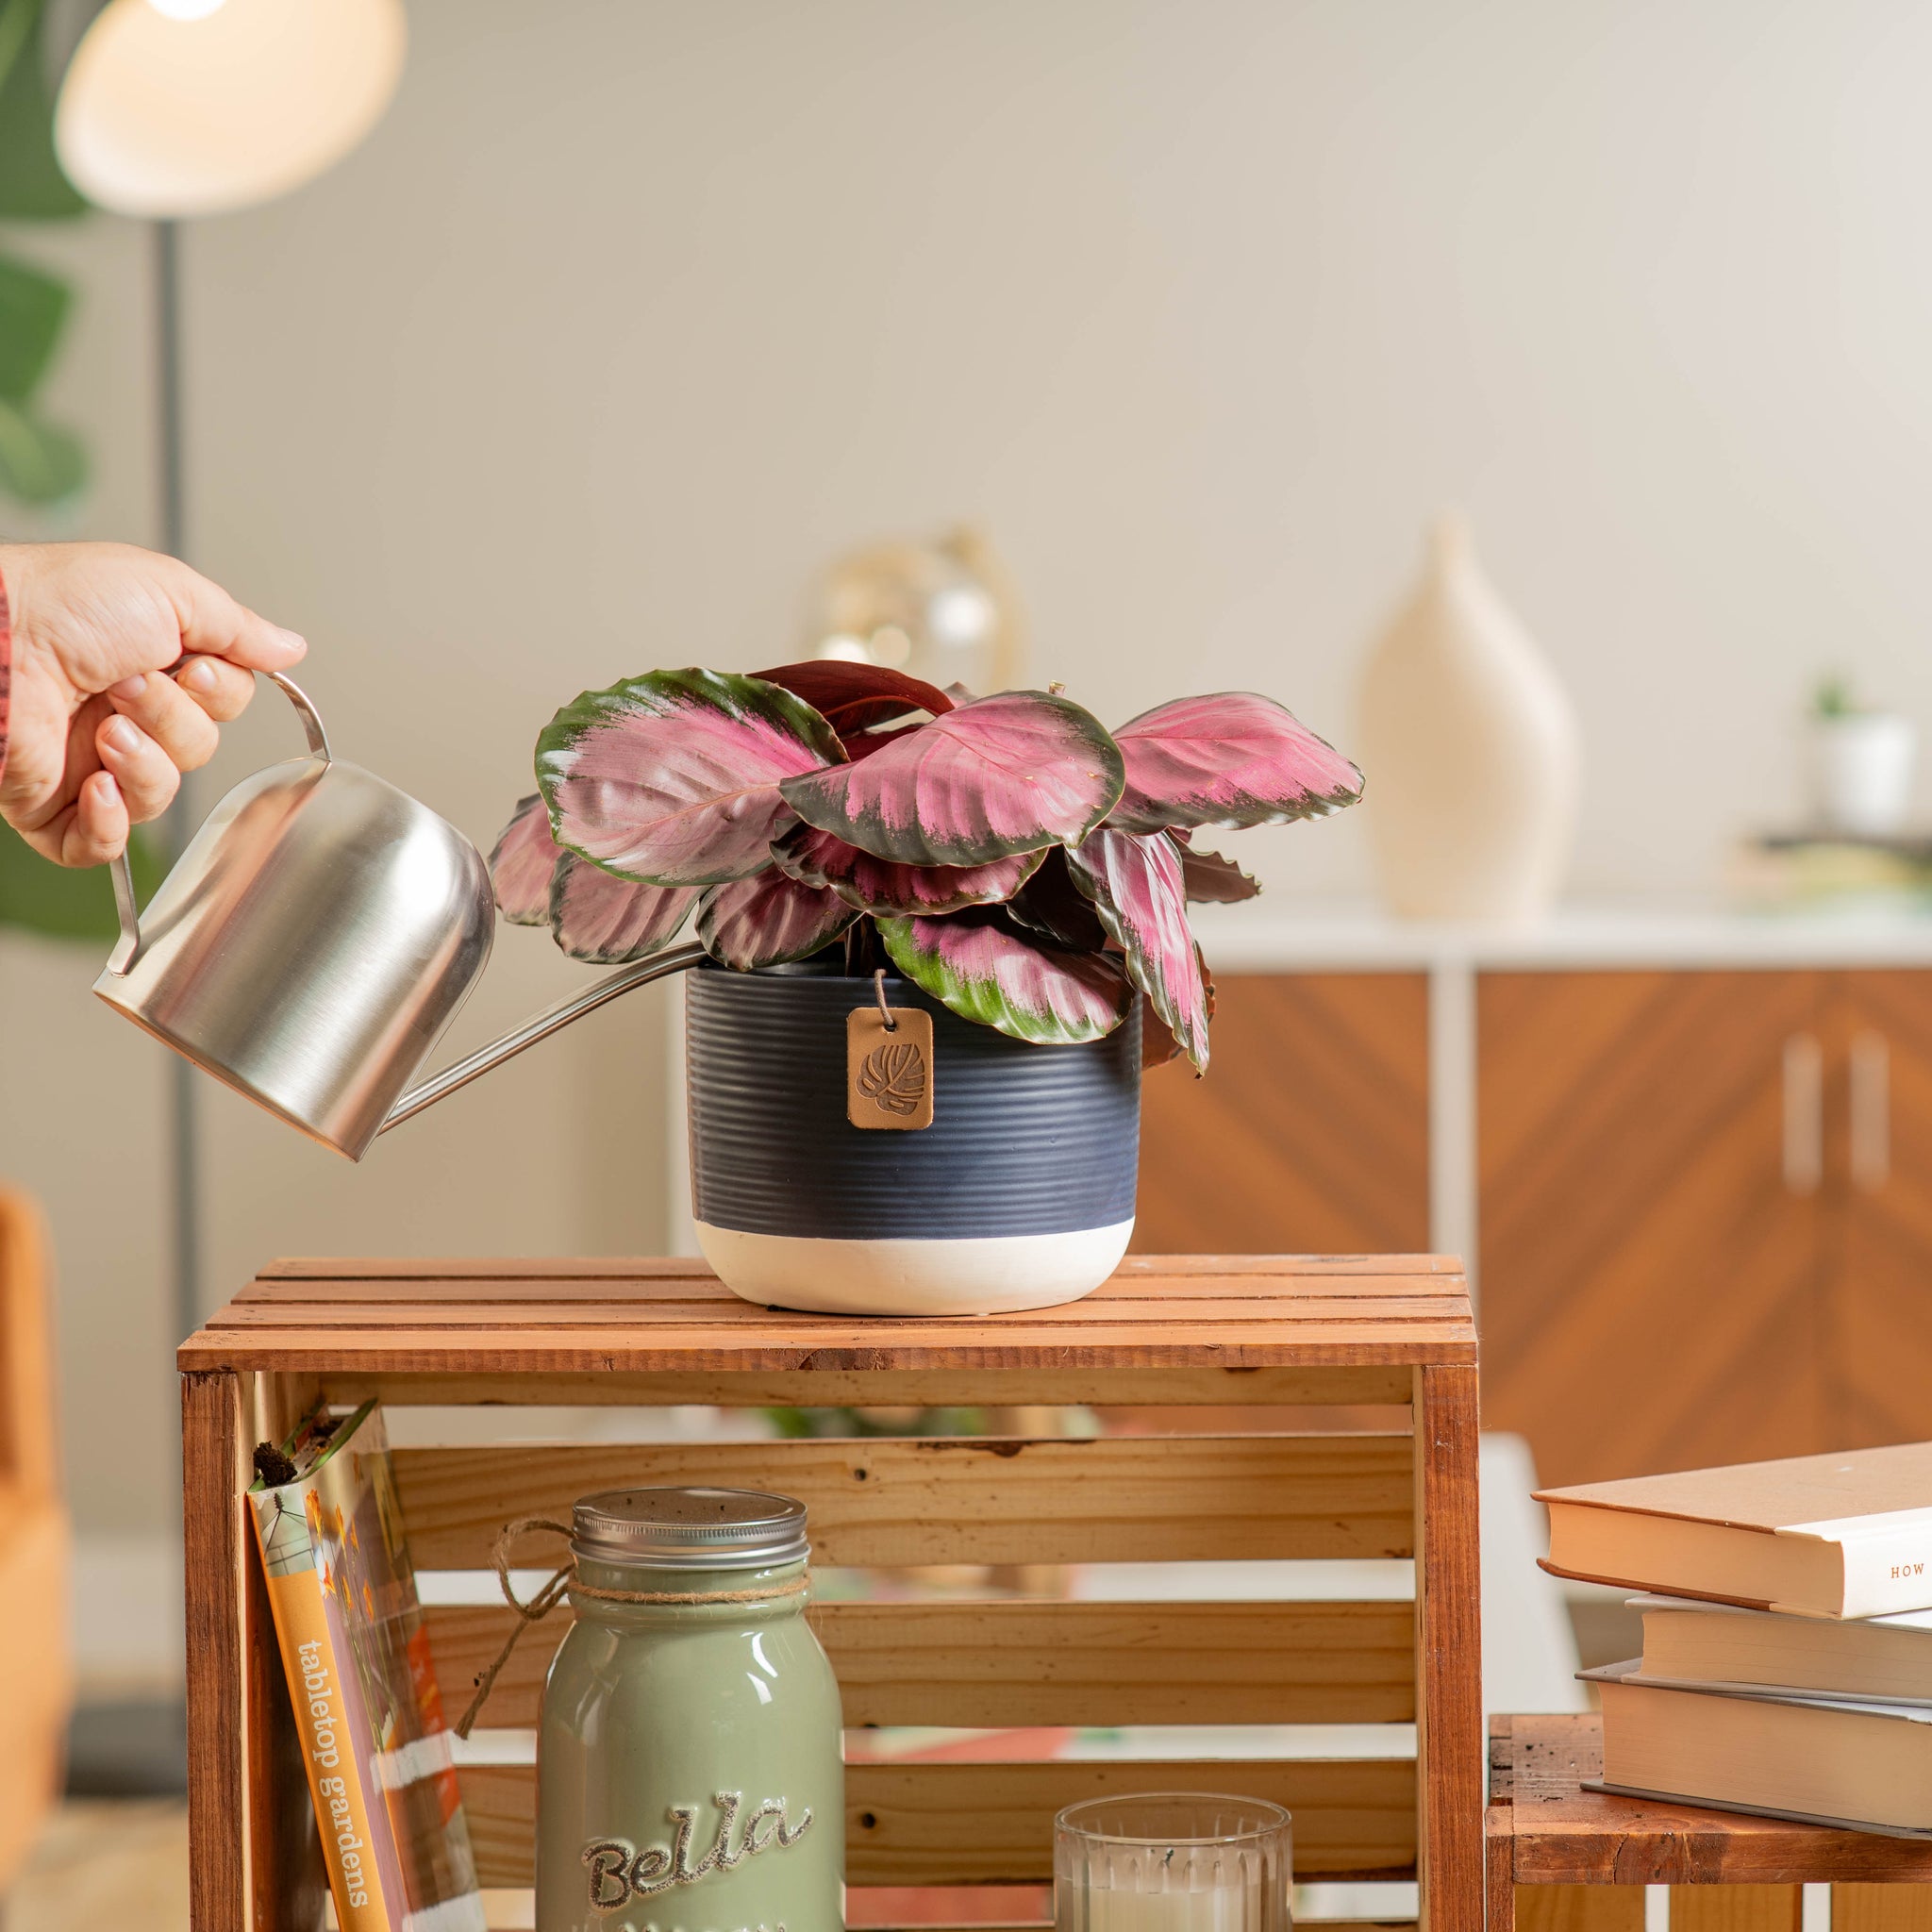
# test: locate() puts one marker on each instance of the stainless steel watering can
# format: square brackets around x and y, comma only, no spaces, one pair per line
[314,939]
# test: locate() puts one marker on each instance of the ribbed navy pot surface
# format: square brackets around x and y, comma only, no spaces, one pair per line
[1025,1140]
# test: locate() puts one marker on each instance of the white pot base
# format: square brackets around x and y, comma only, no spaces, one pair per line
[982,1275]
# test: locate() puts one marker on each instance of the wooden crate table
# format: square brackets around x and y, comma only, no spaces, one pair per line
[1564,1860]
[1210,1341]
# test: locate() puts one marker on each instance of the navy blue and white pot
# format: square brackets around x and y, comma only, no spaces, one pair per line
[1019,1195]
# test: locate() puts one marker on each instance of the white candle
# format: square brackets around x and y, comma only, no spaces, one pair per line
[1232,1907]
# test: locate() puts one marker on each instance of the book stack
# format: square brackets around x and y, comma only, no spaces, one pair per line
[1786,1664]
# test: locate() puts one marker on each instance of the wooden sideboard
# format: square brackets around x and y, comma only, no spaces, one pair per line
[1697,1160]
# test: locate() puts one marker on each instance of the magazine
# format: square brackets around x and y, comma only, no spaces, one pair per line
[356,1655]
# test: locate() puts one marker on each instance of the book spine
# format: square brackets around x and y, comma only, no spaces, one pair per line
[1889,1570]
[319,1693]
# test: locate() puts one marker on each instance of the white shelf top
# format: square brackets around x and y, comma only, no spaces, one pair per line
[1247,939]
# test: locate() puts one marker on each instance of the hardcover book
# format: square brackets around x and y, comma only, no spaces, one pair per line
[1814,1535]
[1862,1767]
[1862,1659]
[356,1657]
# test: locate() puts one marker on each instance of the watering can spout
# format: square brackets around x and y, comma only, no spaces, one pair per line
[552,1020]
[313,941]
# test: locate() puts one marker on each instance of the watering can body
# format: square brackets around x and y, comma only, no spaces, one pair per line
[313,942]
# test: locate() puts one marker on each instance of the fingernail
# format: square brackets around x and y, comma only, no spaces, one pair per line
[130,687]
[291,641]
[106,791]
[200,675]
[122,737]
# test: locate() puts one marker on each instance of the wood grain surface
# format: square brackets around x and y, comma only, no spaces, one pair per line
[1313,1130]
[937,1499]
[1651,1285]
[1228,1336]
[1240,1312]
[1878,1230]
[1005,1665]
[1551,1831]
[975,1824]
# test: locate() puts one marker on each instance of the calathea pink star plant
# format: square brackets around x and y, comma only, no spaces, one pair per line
[1026,867]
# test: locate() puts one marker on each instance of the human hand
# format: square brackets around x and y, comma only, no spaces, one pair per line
[123,663]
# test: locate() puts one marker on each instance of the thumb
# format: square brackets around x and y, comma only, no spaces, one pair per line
[213,624]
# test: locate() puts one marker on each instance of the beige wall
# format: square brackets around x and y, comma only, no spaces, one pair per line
[629,314]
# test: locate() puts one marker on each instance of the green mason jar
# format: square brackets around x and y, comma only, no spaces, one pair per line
[688,1775]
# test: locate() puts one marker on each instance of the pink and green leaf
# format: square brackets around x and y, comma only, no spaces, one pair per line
[985,970]
[854,698]
[521,863]
[1157,1043]
[596,916]
[1232,760]
[673,779]
[881,884]
[1002,775]
[1212,880]
[1135,886]
[768,920]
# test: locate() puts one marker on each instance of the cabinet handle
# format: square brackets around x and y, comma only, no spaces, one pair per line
[1871,1112]
[1803,1113]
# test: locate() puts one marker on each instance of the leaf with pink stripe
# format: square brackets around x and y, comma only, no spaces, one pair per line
[769,920]
[1001,775]
[1135,887]
[1233,759]
[521,863]
[596,916]
[673,779]
[975,963]
[880,885]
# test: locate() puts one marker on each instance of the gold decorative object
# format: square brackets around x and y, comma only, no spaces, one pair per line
[941,610]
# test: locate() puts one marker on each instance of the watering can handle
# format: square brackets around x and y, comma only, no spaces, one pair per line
[639,972]
[129,944]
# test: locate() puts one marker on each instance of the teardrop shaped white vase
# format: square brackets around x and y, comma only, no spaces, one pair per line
[1471,749]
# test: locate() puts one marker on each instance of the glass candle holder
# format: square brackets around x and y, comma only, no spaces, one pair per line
[1171,1861]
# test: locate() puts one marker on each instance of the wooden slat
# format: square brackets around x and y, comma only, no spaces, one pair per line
[919,1388]
[495,1318]
[212,1484]
[1164,1273]
[1003,1665]
[1448,1612]
[982,1824]
[1737,1909]
[1579,1908]
[460,1314]
[962,1500]
[806,1341]
[1881,1909]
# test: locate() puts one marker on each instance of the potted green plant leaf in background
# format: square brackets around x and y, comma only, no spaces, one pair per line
[43,464]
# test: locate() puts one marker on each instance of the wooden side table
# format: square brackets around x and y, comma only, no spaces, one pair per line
[1211,1342]
[1564,1860]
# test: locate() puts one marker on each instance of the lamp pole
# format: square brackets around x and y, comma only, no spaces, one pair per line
[184,1140]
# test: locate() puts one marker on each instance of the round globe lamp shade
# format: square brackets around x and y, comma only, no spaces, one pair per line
[171,109]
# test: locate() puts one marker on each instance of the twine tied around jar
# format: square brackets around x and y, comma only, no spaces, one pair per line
[565,1580]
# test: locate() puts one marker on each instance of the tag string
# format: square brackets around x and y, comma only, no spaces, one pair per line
[565,1581]
[878,986]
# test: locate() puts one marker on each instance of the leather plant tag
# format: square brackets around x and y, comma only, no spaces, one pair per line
[889,1075]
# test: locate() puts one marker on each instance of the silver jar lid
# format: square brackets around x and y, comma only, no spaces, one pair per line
[689,1529]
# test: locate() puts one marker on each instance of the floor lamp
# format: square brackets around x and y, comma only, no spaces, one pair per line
[175,108]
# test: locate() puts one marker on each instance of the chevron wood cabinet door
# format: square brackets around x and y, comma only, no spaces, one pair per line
[1310,1134]
[1653,1189]
[1879,1228]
